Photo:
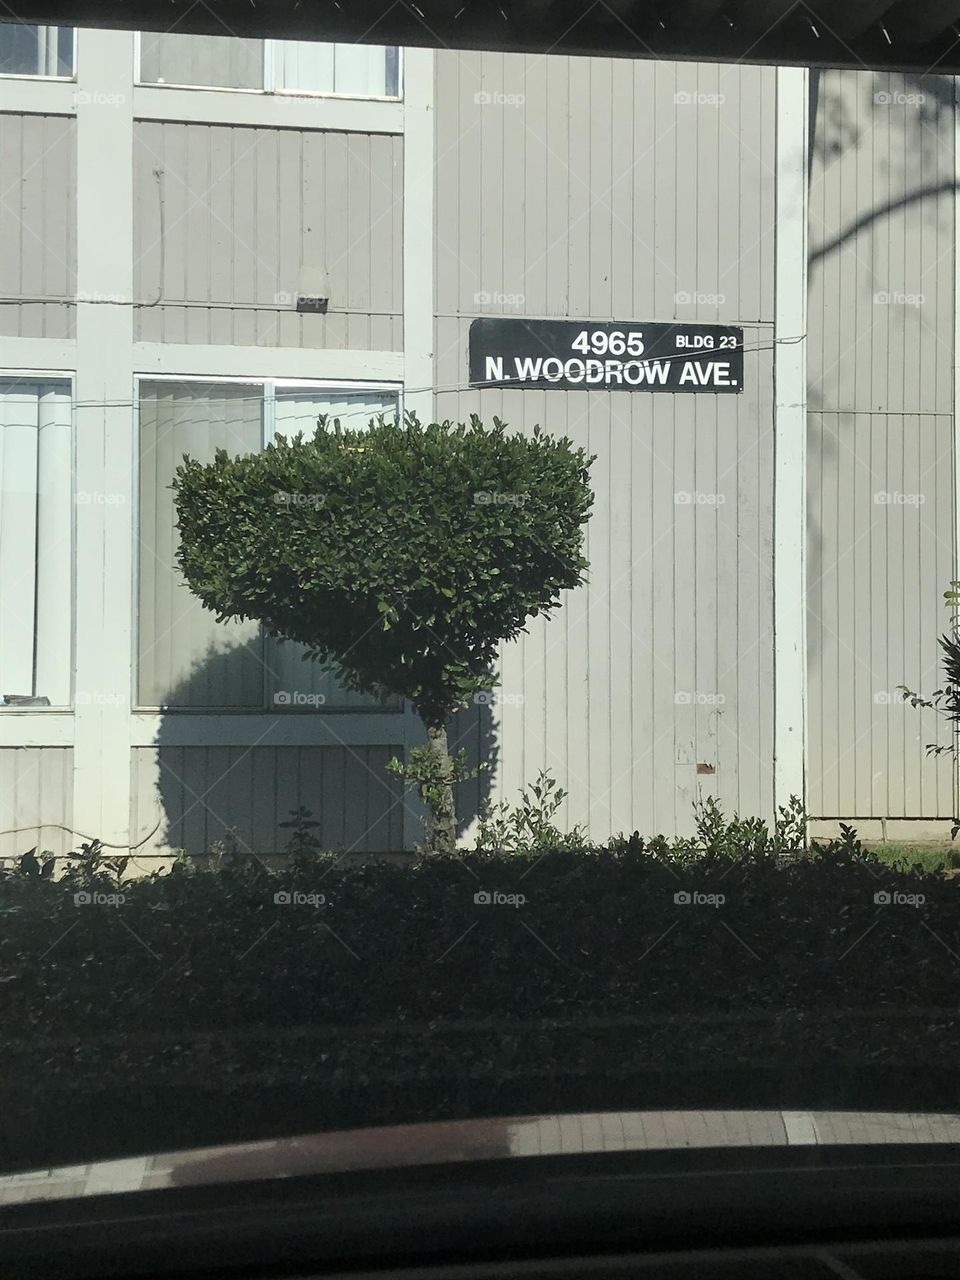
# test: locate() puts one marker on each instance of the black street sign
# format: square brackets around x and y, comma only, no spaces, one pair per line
[622,355]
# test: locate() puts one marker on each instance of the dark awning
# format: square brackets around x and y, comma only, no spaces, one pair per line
[915,35]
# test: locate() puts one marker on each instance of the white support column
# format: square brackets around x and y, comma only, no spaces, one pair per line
[104,434]
[419,144]
[418,179]
[790,427]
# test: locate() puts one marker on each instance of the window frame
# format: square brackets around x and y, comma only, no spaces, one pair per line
[267,88]
[69,377]
[43,79]
[268,435]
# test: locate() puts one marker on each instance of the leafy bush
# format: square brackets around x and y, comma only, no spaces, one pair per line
[401,555]
[528,828]
[223,999]
[564,932]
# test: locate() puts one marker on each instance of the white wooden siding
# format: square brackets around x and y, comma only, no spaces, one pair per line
[246,212]
[38,220]
[188,797]
[880,494]
[609,189]
[36,800]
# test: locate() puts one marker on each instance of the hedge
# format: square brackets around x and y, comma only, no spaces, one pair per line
[199,1004]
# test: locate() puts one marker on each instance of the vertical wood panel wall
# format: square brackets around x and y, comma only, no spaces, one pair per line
[230,218]
[188,797]
[608,189]
[36,800]
[881,502]
[38,222]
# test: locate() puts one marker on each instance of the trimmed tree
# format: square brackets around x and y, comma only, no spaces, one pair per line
[400,555]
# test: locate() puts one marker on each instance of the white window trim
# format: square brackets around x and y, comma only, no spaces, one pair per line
[59,79]
[70,378]
[19,75]
[268,434]
[267,89]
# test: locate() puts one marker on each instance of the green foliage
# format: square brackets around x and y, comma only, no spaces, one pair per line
[402,555]
[90,866]
[435,773]
[906,856]
[158,1015]
[32,868]
[717,837]
[221,949]
[945,701]
[528,827]
[302,842]
[358,994]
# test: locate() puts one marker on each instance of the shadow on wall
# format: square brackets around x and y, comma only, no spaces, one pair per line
[903,126]
[241,794]
[916,110]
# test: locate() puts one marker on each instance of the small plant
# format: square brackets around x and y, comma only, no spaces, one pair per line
[35,869]
[227,848]
[435,774]
[301,843]
[529,827]
[90,864]
[716,836]
[945,701]
[790,828]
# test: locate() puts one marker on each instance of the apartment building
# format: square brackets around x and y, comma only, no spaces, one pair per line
[209,240]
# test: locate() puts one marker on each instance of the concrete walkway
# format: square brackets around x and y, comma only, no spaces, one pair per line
[470,1140]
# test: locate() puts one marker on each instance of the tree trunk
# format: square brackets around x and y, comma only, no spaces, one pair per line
[437,794]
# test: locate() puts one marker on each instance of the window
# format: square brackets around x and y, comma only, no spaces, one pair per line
[356,70]
[293,66]
[36,51]
[186,658]
[209,61]
[36,524]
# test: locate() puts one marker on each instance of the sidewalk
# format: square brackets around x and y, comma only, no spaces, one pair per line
[486,1139]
